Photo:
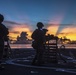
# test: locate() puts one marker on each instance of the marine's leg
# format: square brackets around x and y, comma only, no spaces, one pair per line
[1,56]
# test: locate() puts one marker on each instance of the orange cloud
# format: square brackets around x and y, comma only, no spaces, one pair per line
[17,29]
[13,36]
[52,29]
[69,32]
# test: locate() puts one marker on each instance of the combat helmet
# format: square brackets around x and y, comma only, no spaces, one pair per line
[40,24]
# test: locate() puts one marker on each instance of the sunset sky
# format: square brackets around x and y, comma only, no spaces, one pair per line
[58,16]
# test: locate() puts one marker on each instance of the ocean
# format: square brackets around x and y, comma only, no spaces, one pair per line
[20,46]
[29,46]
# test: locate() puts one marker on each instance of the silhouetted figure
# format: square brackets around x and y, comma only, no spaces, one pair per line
[7,47]
[39,37]
[3,33]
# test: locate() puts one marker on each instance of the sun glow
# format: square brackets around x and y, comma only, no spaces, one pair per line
[54,23]
[52,29]
[69,32]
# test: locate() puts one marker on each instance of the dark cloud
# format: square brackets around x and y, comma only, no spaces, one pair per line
[11,22]
[14,32]
[67,33]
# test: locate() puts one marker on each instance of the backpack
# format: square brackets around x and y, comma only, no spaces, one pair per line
[38,37]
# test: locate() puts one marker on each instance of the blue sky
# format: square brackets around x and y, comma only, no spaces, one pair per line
[29,12]
[25,11]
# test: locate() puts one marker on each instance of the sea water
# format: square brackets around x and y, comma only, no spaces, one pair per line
[29,46]
[20,46]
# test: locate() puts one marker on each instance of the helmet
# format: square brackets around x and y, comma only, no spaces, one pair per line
[1,18]
[40,24]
